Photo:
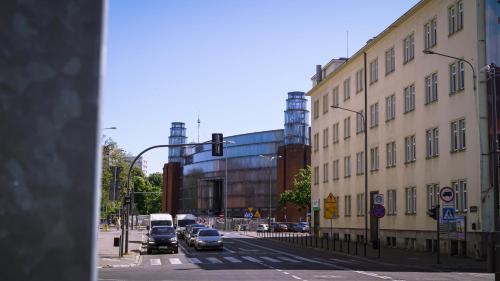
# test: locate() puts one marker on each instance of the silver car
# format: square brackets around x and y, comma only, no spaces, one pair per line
[192,235]
[208,239]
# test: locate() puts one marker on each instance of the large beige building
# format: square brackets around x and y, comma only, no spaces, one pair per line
[426,128]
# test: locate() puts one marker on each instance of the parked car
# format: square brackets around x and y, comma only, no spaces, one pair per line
[193,234]
[301,227]
[162,238]
[262,228]
[289,226]
[283,227]
[208,239]
[274,227]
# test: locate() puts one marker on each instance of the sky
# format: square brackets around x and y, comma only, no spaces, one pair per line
[229,62]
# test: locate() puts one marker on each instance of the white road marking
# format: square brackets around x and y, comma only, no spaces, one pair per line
[288,259]
[175,261]
[296,277]
[247,250]
[251,259]
[372,274]
[228,250]
[214,260]
[270,259]
[232,259]
[155,261]
[194,260]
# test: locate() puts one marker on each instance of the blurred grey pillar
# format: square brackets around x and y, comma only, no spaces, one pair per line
[50,58]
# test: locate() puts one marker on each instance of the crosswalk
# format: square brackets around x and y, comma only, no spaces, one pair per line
[228,259]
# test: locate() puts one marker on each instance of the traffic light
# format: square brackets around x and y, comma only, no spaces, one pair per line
[433,213]
[217,145]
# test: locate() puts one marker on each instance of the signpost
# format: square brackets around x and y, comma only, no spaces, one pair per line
[378,211]
[330,210]
[447,194]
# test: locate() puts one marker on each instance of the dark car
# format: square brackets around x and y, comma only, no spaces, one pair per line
[289,226]
[301,227]
[188,228]
[162,238]
[274,227]
[192,235]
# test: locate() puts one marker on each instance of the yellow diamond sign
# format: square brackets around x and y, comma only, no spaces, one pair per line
[331,211]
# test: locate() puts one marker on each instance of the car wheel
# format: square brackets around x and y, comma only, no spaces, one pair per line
[150,251]
[176,251]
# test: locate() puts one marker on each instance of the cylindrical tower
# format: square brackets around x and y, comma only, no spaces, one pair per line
[296,119]
[177,136]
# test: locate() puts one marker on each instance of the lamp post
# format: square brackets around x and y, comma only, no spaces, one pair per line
[363,119]
[225,186]
[270,159]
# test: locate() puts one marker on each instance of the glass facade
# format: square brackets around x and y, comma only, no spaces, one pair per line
[296,119]
[177,136]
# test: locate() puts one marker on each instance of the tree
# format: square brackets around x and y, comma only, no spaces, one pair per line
[300,193]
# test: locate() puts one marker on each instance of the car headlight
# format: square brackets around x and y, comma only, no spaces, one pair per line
[173,239]
[151,240]
[220,241]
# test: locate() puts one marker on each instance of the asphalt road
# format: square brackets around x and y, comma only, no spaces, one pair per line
[248,258]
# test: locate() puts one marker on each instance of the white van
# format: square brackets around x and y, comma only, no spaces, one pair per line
[181,221]
[163,219]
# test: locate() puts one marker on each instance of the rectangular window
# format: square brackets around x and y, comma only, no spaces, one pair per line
[409,48]
[326,104]
[316,142]
[432,142]
[453,78]
[347,89]
[316,109]
[316,175]
[325,137]
[374,115]
[390,107]
[457,135]
[409,94]
[390,61]
[374,159]
[336,133]
[461,75]
[391,154]
[460,15]
[360,163]
[410,153]
[347,127]
[430,34]
[335,169]
[359,122]
[325,172]
[452,19]
[411,200]
[431,93]
[432,195]
[347,166]
[347,205]
[460,187]
[391,202]
[360,204]
[335,96]
[359,80]
[374,71]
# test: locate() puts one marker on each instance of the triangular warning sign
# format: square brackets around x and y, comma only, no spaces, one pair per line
[448,214]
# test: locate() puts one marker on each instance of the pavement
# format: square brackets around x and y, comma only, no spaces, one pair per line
[109,254]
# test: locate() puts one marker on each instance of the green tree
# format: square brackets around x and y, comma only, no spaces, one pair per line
[300,194]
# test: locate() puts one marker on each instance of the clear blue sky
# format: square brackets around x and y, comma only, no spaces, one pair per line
[230,62]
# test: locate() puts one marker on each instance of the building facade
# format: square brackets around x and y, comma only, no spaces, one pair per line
[427,128]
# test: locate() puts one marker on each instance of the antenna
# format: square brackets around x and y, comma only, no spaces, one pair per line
[199,121]
[347,43]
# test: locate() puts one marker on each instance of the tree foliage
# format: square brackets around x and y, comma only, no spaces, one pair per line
[300,193]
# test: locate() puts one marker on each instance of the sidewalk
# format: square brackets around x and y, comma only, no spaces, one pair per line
[109,255]
[425,261]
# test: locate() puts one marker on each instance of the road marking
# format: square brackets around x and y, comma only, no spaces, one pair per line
[296,277]
[214,260]
[183,249]
[155,261]
[484,275]
[175,261]
[344,261]
[194,260]
[228,250]
[251,259]
[372,274]
[288,259]
[247,250]
[270,259]
[232,259]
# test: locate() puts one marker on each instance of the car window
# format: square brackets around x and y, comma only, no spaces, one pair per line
[209,232]
[163,230]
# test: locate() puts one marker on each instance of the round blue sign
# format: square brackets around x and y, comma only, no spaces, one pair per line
[378,211]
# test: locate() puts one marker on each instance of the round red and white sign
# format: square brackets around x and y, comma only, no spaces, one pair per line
[447,194]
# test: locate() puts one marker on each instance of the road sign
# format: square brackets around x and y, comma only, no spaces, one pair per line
[248,215]
[447,194]
[315,205]
[448,214]
[257,214]
[330,207]
[250,209]
[378,211]
[378,199]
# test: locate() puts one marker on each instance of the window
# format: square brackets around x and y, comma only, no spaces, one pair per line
[325,138]
[374,115]
[411,200]
[410,153]
[347,166]
[374,71]
[360,204]
[374,159]
[335,133]
[432,195]
[347,205]
[461,75]
[460,187]
[335,96]
[460,15]
[409,93]
[431,88]
[453,78]
[326,104]
[359,122]
[316,142]
[458,135]
[347,127]
[390,107]
[391,154]
[391,202]
[316,175]
[390,61]
[452,19]
[455,17]
[316,109]
[457,76]
[347,89]
[359,80]
[430,34]
[408,48]
[360,163]
[432,142]
[335,169]
[325,172]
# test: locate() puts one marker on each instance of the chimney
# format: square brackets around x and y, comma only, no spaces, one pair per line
[319,74]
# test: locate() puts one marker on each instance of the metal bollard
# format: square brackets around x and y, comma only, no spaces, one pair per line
[356,248]
[379,246]
[334,243]
[340,246]
[348,246]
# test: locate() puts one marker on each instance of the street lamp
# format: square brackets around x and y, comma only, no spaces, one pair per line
[363,119]
[270,159]
[225,186]
[109,128]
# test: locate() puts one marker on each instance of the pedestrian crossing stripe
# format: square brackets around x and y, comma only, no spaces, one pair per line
[194,260]
[270,259]
[251,259]
[288,259]
[214,260]
[232,259]
[175,261]
[155,261]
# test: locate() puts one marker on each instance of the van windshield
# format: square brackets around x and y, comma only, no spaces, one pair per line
[161,223]
[183,223]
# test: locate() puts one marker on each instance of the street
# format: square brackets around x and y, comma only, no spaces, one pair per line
[249,258]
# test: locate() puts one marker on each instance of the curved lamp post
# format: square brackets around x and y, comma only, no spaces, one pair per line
[270,159]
